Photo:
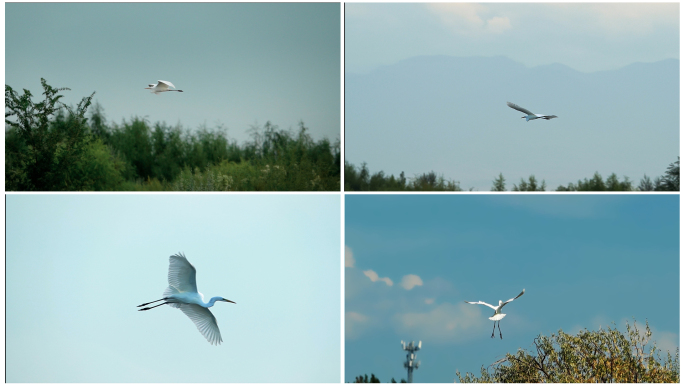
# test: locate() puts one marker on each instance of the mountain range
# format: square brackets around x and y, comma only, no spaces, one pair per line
[449,115]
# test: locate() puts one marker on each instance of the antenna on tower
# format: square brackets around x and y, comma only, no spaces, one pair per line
[410,364]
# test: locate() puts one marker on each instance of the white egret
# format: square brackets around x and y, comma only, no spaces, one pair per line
[182,293]
[162,86]
[497,311]
[530,115]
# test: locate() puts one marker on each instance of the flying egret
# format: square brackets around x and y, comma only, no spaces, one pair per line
[530,115]
[497,311]
[162,86]
[182,293]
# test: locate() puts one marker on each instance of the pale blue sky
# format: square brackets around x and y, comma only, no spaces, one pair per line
[238,64]
[78,265]
[586,37]
[585,261]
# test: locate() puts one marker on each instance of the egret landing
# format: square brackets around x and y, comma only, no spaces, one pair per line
[497,311]
[530,115]
[182,294]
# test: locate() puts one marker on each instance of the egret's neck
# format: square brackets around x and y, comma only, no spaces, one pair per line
[213,300]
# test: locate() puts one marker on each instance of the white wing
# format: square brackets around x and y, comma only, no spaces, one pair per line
[482,303]
[509,300]
[182,274]
[521,109]
[161,84]
[205,322]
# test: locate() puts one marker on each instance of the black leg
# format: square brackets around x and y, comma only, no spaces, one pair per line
[493,329]
[142,305]
[500,330]
[145,309]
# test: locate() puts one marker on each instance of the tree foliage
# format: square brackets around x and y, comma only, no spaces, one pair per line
[670,181]
[360,179]
[529,186]
[49,146]
[365,379]
[372,379]
[45,149]
[499,184]
[597,183]
[602,356]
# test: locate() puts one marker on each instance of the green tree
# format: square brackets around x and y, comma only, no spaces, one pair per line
[365,379]
[597,184]
[613,184]
[530,186]
[646,184]
[602,356]
[499,184]
[431,182]
[98,123]
[134,142]
[356,180]
[46,144]
[669,182]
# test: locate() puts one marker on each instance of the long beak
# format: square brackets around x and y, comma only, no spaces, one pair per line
[230,301]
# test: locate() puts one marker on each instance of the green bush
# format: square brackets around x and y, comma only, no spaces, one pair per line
[50,149]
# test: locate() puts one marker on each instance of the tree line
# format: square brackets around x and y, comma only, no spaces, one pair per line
[50,146]
[360,179]
[602,356]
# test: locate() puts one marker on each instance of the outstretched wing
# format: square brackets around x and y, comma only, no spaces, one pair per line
[482,303]
[549,117]
[521,109]
[182,274]
[205,322]
[509,300]
[162,84]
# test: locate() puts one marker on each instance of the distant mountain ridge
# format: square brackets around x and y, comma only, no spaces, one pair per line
[449,114]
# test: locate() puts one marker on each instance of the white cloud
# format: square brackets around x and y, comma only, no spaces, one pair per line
[498,24]
[348,257]
[374,277]
[410,281]
[467,18]
[445,323]
[354,324]
[430,301]
[620,18]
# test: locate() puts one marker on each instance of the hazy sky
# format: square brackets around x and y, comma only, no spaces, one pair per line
[78,265]
[585,261]
[586,37]
[238,64]
[410,88]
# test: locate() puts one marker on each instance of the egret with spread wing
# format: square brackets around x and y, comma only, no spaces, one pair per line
[182,293]
[497,311]
[530,115]
[162,86]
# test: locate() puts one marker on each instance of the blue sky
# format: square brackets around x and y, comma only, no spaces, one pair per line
[238,64]
[78,265]
[584,260]
[586,37]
